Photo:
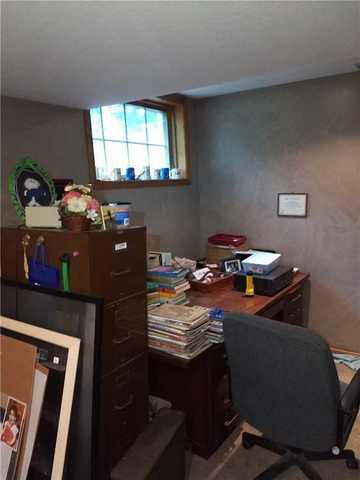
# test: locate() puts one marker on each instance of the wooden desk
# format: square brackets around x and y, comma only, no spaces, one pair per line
[289,305]
[202,387]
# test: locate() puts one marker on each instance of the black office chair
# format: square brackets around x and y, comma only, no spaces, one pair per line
[285,384]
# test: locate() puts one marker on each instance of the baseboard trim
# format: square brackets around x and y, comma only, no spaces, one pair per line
[343,350]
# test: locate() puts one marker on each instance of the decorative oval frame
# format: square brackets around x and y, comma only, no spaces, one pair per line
[27,164]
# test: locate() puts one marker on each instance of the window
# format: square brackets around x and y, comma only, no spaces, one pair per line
[142,136]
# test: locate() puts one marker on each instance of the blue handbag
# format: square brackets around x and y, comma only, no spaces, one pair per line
[40,273]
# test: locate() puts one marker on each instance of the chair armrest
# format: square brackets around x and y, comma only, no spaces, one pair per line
[350,399]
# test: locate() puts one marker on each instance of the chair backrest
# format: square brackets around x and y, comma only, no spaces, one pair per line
[284,381]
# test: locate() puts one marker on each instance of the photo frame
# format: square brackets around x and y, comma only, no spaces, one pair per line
[232,266]
[292,205]
[30,185]
[29,332]
[6,433]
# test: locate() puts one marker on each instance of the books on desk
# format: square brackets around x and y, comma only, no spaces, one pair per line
[152,297]
[215,331]
[178,330]
[172,284]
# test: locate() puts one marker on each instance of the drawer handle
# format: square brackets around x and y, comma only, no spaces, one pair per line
[120,273]
[126,405]
[122,340]
[228,423]
[295,299]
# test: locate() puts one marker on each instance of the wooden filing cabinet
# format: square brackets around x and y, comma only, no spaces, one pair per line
[110,265]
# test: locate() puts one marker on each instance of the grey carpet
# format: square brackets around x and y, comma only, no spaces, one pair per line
[232,462]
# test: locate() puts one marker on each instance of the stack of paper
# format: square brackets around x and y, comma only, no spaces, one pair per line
[172,284]
[179,330]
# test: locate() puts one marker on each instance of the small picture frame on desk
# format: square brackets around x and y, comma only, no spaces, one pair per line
[232,266]
[292,205]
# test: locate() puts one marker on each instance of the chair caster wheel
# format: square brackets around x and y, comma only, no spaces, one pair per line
[247,443]
[352,463]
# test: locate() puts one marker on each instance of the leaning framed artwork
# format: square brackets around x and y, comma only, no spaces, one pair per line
[292,205]
[17,340]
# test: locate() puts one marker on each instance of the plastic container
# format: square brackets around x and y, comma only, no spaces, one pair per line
[122,218]
[223,245]
[227,240]
[117,214]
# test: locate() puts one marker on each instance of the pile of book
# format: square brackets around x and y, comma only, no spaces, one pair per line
[153,296]
[215,332]
[179,330]
[172,284]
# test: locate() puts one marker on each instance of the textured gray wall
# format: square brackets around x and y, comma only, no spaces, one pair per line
[50,135]
[54,137]
[301,137]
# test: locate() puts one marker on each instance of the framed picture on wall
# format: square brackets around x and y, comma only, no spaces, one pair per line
[292,205]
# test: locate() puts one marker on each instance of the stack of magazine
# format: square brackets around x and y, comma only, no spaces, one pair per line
[179,330]
[172,284]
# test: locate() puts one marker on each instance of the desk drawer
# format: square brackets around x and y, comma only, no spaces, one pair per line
[293,311]
[294,317]
[294,300]
[275,312]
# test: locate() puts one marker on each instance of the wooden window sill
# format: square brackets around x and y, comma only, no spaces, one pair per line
[113,185]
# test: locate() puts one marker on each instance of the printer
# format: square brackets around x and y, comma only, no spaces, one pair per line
[269,275]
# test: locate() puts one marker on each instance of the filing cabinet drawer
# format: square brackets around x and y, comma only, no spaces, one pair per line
[130,314]
[123,409]
[124,332]
[117,269]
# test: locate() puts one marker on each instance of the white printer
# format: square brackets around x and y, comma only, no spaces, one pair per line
[260,262]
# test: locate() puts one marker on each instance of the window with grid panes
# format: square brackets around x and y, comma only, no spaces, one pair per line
[130,135]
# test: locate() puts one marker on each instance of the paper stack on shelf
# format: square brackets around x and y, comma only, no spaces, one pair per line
[215,332]
[172,284]
[153,297]
[178,330]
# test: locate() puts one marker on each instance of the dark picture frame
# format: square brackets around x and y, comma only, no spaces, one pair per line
[232,266]
[30,185]
[293,205]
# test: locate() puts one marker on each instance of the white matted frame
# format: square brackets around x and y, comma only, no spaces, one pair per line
[292,205]
[72,345]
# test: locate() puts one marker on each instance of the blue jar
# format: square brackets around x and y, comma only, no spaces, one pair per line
[130,174]
[164,173]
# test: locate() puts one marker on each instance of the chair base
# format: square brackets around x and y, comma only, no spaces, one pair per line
[295,457]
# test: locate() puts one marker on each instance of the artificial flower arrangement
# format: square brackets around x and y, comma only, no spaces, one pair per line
[78,202]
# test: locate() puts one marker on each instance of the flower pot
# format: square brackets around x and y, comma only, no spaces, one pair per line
[76,223]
